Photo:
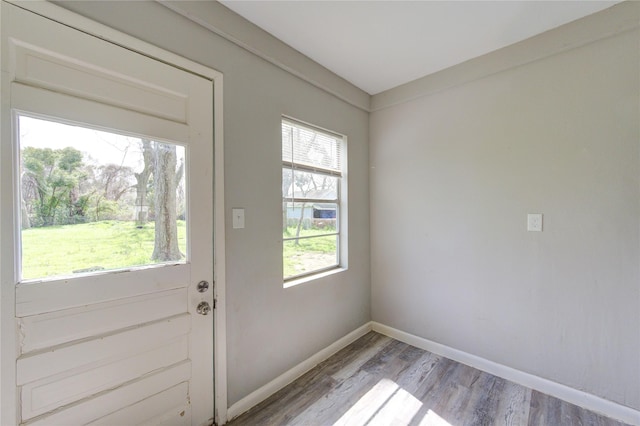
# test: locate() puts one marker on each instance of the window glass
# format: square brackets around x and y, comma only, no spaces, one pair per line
[92,200]
[310,254]
[312,186]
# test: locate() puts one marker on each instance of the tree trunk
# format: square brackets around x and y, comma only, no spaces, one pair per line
[285,217]
[300,224]
[26,223]
[164,178]
[142,180]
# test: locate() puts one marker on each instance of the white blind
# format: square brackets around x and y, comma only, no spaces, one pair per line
[310,147]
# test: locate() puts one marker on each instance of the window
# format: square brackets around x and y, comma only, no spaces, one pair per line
[312,175]
[105,201]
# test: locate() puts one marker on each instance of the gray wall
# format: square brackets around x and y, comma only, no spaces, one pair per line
[453,176]
[269,329]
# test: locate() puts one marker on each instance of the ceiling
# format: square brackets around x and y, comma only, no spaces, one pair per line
[377,45]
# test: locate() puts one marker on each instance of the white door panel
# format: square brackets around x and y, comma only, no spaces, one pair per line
[41,396]
[173,402]
[37,298]
[91,353]
[105,404]
[46,330]
[122,345]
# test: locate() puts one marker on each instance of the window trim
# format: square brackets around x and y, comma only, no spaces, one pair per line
[339,201]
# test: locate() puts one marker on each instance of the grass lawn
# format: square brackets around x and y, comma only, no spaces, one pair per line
[310,253]
[59,250]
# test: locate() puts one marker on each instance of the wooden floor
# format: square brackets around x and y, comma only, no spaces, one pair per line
[380,381]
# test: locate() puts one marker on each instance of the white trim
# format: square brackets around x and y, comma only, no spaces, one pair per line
[91,27]
[259,395]
[566,393]
[313,277]
[219,262]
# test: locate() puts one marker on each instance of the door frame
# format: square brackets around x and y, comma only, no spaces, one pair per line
[8,396]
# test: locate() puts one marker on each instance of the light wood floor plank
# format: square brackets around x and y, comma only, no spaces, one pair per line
[380,381]
[514,405]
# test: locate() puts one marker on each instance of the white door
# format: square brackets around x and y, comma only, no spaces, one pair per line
[106,225]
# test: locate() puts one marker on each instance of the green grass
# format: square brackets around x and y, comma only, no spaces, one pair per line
[290,232]
[59,250]
[296,257]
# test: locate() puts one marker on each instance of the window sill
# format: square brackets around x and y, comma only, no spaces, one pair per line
[314,277]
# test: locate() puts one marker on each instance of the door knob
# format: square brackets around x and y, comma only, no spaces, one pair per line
[203,308]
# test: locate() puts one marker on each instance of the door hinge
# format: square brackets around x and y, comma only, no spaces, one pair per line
[215,303]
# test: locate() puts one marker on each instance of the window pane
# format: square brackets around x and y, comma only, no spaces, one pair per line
[298,184]
[305,219]
[287,182]
[102,200]
[307,255]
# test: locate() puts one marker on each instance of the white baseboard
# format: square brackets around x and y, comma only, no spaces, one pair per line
[259,395]
[566,393]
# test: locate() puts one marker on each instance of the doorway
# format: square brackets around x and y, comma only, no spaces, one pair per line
[107,224]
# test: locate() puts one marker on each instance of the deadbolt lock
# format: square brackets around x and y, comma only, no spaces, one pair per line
[203,286]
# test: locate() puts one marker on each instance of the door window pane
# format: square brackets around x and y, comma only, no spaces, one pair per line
[92,200]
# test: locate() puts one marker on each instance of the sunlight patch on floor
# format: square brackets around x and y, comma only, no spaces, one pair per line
[387,403]
[432,419]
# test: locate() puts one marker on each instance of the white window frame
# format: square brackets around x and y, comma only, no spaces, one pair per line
[340,201]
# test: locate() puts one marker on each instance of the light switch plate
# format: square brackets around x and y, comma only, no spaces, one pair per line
[534,222]
[238,218]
